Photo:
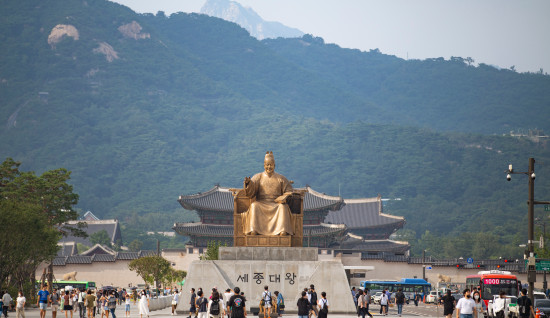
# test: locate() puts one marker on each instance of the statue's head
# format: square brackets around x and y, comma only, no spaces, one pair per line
[269,163]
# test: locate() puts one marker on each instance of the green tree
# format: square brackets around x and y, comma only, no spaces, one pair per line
[100,237]
[174,276]
[34,210]
[212,251]
[135,245]
[151,268]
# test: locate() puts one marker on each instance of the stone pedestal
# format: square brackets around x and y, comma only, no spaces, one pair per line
[287,270]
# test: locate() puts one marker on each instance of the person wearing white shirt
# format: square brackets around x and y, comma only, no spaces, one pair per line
[226,296]
[384,304]
[465,308]
[500,306]
[20,306]
[217,311]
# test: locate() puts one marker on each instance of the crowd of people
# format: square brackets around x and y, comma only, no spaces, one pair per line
[232,304]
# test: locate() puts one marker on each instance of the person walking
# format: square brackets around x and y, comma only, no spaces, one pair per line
[111,303]
[193,304]
[202,304]
[525,306]
[127,301]
[175,301]
[480,304]
[144,304]
[416,298]
[303,306]
[313,299]
[267,301]
[465,308]
[81,305]
[237,304]
[363,304]
[399,301]
[89,302]
[280,303]
[6,303]
[449,303]
[68,303]
[323,305]
[20,305]
[215,306]
[353,293]
[500,306]
[384,304]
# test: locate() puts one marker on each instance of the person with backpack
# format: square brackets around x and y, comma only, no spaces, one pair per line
[81,307]
[237,304]
[323,305]
[202,304]
[111,303]
[313,300]
[399,301]
[266,301]
[525,306]
[216,308]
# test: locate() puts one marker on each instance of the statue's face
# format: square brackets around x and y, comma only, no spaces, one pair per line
[269,166]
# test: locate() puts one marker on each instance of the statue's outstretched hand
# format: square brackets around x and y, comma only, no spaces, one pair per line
[281,199]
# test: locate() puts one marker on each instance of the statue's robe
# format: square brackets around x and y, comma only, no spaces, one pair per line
[265,216]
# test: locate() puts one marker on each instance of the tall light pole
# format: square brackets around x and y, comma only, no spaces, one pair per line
[531,264]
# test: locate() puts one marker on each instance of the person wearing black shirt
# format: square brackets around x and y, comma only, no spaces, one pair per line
[313,300]
[237,304]
[192,308]
[449,303]
[303,306]
[525,307]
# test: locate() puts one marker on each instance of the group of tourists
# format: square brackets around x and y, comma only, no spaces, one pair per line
[232,304]
[471,305]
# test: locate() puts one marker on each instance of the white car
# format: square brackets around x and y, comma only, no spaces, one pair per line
[376,298]
[433,296]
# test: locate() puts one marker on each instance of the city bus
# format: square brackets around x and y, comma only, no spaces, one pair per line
[409,286]
[60,284]
[490,283]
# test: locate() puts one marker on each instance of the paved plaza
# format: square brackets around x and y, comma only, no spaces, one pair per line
[408,311]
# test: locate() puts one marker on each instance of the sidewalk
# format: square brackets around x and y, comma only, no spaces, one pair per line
[167,313]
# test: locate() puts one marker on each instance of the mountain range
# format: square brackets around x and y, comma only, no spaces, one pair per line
[143,108]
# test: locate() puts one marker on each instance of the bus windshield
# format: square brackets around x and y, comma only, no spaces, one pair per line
[493,286]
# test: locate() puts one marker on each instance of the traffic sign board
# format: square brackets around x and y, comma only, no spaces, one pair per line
[470,260]
[428,267]
[541,265]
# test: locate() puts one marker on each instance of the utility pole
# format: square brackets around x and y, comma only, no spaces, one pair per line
[424,264]
[531,263]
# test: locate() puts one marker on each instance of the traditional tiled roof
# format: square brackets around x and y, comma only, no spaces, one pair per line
[78,259]
[201,229]
[104,258]
[110,226]
[89,216]
[221,199]
[355,243]
[98,249]
[362,214]
[88,259]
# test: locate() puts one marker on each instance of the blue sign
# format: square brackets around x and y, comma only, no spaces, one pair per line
[428,267]
[470,260]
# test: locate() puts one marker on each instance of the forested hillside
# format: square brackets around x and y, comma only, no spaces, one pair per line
[143,108]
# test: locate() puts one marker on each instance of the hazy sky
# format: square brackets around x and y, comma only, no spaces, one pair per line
[495,32]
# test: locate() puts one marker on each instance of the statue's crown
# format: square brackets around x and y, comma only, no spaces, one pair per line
[269,155]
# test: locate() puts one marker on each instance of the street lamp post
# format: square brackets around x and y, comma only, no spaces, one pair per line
[531,265]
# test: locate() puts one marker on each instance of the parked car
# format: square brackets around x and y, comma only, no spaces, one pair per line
[539,295]
[376,297]
[433,297]
[544,306]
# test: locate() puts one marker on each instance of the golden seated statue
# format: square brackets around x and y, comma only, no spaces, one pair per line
[267,211]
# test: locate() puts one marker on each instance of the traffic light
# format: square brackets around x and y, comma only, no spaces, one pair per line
[480,266]
[458,266]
